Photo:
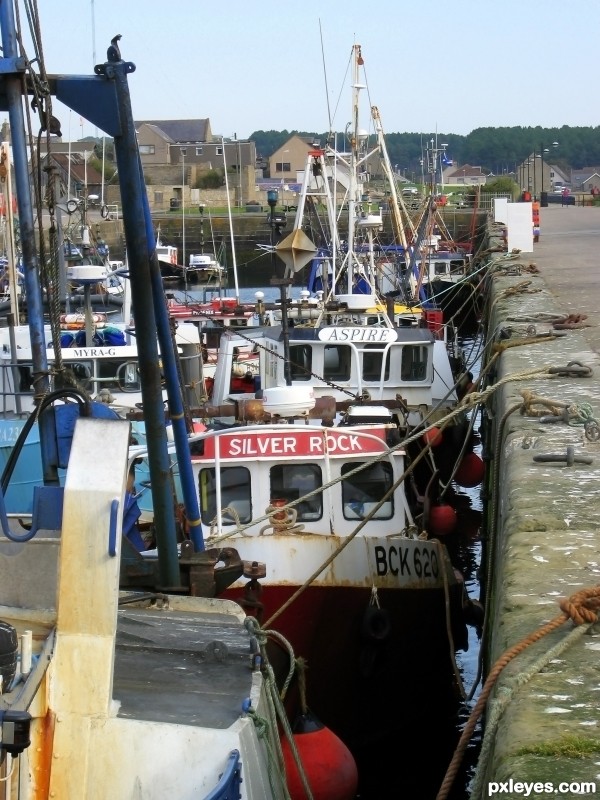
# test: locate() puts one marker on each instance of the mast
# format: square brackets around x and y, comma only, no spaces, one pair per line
[397,202]
[235,275]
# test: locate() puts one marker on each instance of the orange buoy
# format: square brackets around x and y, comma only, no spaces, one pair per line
[470,472]
[433,437]
[329,766]
[442,520]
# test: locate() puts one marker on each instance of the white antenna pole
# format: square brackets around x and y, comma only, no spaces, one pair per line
[103,157]
[69,164]
[235,275]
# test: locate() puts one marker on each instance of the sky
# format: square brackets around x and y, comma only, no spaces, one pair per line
[429,65]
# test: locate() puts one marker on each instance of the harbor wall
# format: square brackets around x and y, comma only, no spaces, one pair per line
[541,539]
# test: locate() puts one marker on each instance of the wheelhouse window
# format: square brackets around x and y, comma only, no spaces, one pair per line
[414,363]
[372,362]
[337,362]
[292,481]
[82,372]
[300,362]
[236,502]
[362,491]
[439,267]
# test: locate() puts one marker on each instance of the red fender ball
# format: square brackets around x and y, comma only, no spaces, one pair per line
[328,764]
[442,520]
[470,472]
[433,437]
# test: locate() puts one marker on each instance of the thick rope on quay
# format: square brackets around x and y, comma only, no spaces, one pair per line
[582,607]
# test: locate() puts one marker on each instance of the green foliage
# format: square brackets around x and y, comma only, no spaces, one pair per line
[566,747]
[211,179]
[495,150]
[109,169]
[502,184]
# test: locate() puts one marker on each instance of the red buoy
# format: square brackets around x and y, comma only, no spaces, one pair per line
[329,767]
[433,437]
[442,520]
[470,472]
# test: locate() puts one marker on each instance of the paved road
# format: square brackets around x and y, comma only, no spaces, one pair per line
[568,257]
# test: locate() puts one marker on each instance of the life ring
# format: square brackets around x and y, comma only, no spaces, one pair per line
[80,319]
[104,212]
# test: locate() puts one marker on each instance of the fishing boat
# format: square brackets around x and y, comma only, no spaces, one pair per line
[205,268]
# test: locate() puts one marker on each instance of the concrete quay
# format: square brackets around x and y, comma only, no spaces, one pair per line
[542,535]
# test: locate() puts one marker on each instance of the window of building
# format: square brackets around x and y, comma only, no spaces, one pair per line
[199,151]
[283,166]
[235,495]
[158,198]
[293,481]
[147,149]
[362,491]
[219,151]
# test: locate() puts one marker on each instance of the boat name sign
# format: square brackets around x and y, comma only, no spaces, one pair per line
[368,333]
[297,443]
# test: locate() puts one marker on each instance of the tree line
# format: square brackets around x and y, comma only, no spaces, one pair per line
[496,150]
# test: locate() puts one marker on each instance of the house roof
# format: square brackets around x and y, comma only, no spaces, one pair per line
[179,130]
[464,169]
[79,170]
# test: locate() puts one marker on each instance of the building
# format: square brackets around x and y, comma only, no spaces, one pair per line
[174,153]
[464,175]
[290,159]
[535,175]
[77,177]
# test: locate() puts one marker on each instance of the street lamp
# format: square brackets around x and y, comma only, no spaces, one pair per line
[544,201]
[183,151]
[277,221]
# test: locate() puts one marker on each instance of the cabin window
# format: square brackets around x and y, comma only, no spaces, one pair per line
[372,363]
[293,481]
[414,363]
[439,267]
[238,323]
[82,372]
[235,495]
[362,491]
[337,360]
[121,375]
[457,265]
[271,361]
[300,362]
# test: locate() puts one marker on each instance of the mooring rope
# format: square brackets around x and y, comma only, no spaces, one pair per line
[582,607]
